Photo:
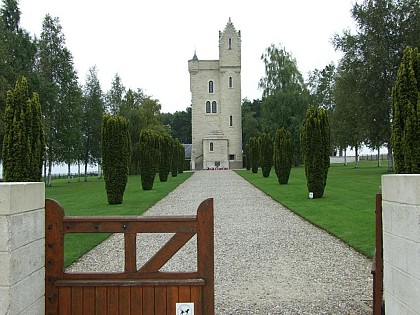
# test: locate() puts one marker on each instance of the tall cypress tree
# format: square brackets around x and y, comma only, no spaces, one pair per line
[116,154]
[166,148]
[254,154]
[315,140]
[181,158]
[149,157]
[266,154]
[283,155]
[23,143]
[406,114]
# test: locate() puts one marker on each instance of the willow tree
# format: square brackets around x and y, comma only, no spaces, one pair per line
[315,140]
[149,157]
[266,153]
[283,155]
[116,153]
[406,114]
[24,139]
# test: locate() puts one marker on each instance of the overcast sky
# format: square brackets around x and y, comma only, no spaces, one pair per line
[149,43]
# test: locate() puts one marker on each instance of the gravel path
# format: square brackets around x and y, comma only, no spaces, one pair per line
[267,259]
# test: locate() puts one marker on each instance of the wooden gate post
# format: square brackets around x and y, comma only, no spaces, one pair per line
[54,253]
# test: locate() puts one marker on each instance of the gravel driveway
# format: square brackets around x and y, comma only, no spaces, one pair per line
[267,259]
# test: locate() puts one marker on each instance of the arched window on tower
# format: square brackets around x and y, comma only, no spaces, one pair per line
[230,82]
[230,43]
[231,121]
[211,147]
[208,107]
[211,87]
[214,107]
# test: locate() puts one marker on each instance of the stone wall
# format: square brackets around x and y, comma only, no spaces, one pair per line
[22,249]
[401,243]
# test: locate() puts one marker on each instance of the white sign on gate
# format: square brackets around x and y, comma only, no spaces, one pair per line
[184,308]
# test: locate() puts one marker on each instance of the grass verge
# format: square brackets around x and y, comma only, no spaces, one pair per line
[347,209]
[89,199]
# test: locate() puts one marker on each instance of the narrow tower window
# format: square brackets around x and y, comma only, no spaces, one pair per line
[211,87]
[211,147]
[208,108]
[230,82]
[230,43]
[214,107]
[230,121]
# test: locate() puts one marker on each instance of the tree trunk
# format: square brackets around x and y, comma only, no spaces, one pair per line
[78,171]
[390,159]
[49,173]
[68,173]
[356,150]
[345,157]
[86,164]
[379,156]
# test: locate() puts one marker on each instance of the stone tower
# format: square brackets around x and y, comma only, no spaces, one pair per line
[215,87]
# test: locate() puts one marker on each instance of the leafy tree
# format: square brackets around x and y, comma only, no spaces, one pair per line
[285,96]
[116,150]
[283,155]
[166,149]
[23,144]
[149,157]
[281,72]
[93,110]
[114,97]
[150,114]
[385,28]
[321,84]
[266,153]
[131,109]
[315,139]
[69,118]
[406,114]
[347,118]
[251,120]
[180,126]
[60,94]
[286,110]
[254,154]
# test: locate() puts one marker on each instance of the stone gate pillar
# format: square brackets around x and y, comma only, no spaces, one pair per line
[401,243]
[22,249]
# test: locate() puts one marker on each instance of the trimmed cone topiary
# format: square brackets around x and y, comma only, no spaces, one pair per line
[283,155]
[254,154]
[149,157]
[116,155]
[24,138]
[266,154]
[166,148]
[315,140]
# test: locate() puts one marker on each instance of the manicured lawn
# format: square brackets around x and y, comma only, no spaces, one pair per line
[347,209]
[89,199]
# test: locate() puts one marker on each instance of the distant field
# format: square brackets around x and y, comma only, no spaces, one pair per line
[347,209]
[89,199]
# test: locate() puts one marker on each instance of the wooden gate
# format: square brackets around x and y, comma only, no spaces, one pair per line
[146,290]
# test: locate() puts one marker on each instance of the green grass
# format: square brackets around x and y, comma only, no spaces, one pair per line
[347,209]
[89,199]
